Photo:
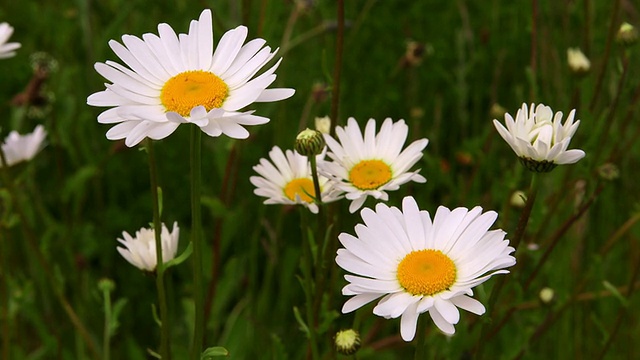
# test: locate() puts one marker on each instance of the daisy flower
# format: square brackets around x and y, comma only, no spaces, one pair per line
[420,265]
[539,138]
[286,179]
[140,251]
[373,164]
[175,79]
[7,49]
[18,148]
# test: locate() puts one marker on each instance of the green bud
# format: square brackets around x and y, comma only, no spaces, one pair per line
[347,341]
[105,284]
[309,142]
[627,34]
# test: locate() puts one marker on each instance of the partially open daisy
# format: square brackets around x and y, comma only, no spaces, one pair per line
[7,48]
[174,79]
[286,179]
[140,251]
[539,138]
[18,148]
[373,164]
[420,265]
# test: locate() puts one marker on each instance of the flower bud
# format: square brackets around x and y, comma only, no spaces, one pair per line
[627,34]
[347,341]
[309,142]
[518,199]
[578,62]
[323,124]
[609,171]
[547,295]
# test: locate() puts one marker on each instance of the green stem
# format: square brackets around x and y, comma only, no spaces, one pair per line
[106,336]
[196,241]
[165,347]
[337,68]
[515,242]
[306,262]
[44,264]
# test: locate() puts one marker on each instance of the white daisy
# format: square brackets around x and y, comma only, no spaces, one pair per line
[373,164]
[7,49]
[538,137]
[18,148]
[140,250]
[420,265]
[174,79]
[286,179]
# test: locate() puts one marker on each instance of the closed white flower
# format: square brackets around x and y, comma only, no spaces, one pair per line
[140,250]
[577,61]
[175,79]
[539,137]
[18,148]
[7,48]
[418,264]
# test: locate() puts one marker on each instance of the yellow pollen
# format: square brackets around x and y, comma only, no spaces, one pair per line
[302,187]
[426,272]
[370,174]
[189,89]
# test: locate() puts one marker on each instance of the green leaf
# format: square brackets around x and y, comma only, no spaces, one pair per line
[301,322]
[614,291]
[180,259]
[214,352]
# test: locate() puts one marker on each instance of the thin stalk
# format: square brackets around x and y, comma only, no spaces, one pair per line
[306,262]
[515,242]
[4,298]
[607,51]
[337,68]
[196,241]
[44,264]
[165,346]
[106,336]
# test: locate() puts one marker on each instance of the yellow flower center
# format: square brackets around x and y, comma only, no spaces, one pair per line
[426,272]
[302,187]
[189,89]
[370,174]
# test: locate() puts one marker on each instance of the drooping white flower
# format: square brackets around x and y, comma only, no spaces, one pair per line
[140,250]
[7,49]
[286,179]
[539,138]
[372,164]
[175,79]
[18,148]
[420,265]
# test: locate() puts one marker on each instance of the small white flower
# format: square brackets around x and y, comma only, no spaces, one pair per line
[175,79]
[372,164]
[420,265]
[19,148]
[140,250]
[286,179]
[578,62]
[7,49]
[537,135]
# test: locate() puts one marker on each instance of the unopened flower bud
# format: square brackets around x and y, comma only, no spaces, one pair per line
[309,142]
[497,111]
[347,341]
[578,62]
[105,284]
[627,34]
[323,124]
[547,295]
[518,199]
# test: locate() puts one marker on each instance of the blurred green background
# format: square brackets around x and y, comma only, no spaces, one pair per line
[442,66]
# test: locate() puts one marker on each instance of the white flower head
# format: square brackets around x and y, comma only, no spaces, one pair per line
[420,265]
[323,124]
[140,250]
[7,48]
[578,62]
[175,79]
[538,136]
[286,179]
[18,148]
[372,164]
